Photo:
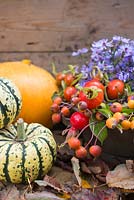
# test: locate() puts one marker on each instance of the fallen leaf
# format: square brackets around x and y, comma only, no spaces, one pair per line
[10,193]
[62,176]
[95,169]
[41,195]
[101,177]
[108,194]
[130,165]
[64,195]
[120,177]
[54,184]
[97,166]
[76,169]
[46,183]
[85,184]
[86,194]
[52,181]
[84,168]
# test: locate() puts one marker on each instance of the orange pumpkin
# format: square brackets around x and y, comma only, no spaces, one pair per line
[36,86]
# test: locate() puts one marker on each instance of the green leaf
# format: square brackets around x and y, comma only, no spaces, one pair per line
[128,89]
[127,110]
[63,85]
[55,94]
[103,105]
[106,112]
[77,78]
[54,72]
[99,129]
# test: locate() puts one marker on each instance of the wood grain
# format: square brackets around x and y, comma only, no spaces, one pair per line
[44,60]
[55,25]
[48,30]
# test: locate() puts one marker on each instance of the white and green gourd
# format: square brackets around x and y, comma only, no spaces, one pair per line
[27,152]
[10,102]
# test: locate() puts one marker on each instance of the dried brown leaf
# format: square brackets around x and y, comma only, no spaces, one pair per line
[85,168]
[76,169]
[85,194]
[10,193]
[120,177]
[42,195]
[46,183]
[130,165]
[52,181]
[97,166]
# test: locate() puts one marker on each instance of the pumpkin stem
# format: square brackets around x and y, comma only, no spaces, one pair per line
[21,135]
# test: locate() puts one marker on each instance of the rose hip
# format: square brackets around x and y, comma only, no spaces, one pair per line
[74,143]
[78,120]
[81,152]
[95,150]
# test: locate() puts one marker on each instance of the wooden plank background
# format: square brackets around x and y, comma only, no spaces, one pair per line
[47,31]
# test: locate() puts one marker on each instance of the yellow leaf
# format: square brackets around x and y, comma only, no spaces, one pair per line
[85,184]
[64,195]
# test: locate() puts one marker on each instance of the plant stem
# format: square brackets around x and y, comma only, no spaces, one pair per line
[131,115]
[92,135]
[85,129]
[89,140]
[21,135]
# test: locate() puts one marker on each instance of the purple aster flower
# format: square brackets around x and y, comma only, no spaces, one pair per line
[113,57]
[109,68]
[77,70]
[120,39]
[123,76]
[80,51]
[84,50]
[101,44]
[75,53]
[85,70]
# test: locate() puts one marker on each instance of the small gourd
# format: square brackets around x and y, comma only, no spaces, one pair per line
[27,152]
[10,102]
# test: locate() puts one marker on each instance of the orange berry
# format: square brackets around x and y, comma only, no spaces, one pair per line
[95,150]
[74,143]
[132,124]
[111,122]
[69,91]
[119,116]
[69,78]
[75,100]
[125,124]
[81,152]
[131,104]
[55,107]
[57,100]
[56,118]
[59,77]
[65,111]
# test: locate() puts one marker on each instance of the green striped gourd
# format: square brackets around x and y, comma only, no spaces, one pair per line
[27,152]
[10,102]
